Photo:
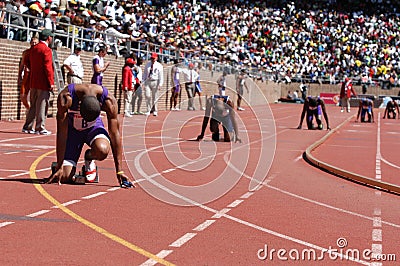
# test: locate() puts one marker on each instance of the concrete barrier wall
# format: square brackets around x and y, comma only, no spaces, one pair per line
[11,108]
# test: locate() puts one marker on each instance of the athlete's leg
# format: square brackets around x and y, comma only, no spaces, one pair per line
[214,128]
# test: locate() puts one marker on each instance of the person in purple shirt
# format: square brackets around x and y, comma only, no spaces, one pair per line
[79,122]
[99,66]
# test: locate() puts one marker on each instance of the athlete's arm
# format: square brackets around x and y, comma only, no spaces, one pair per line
[359,110]
[325,115]
[111,109]
[303,113]
[64,101]
[386,111]
[233,119]
[372,111]
[206,118]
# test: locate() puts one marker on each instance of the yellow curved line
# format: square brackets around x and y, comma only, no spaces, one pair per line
[44,193]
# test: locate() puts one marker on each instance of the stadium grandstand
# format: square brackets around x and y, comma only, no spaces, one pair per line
[282,41]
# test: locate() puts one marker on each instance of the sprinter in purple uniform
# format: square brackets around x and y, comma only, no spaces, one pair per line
[79,122]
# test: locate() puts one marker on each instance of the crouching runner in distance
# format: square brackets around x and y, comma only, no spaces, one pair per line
[314,107]
[221,111]
[365,108]
[79,122]
[391,110]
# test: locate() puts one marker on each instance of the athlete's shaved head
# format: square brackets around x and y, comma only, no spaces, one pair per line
[90,108]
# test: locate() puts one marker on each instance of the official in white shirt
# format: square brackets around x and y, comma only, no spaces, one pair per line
[74,66]
[190,77]
[153,77]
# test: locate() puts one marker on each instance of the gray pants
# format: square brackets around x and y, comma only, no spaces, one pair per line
[151,94]
[190,88]
[39,106]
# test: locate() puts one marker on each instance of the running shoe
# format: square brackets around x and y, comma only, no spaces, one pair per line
[90,170]
[43,132]
[28,131]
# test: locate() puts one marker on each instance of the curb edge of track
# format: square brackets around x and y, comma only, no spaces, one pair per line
[360,179]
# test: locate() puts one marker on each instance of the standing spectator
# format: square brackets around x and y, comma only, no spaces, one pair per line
[127,82]
[190,78]
[24,73]
[176,86]
[153,80]
[240,84]
[74,66]
[50,22]
[137,87]
[222,83]
[345,94]
[99,67]
[113,37]
[197,88]
[40,63]
[12,7]
[3,19]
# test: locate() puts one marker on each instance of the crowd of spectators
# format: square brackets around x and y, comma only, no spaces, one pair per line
[320,41]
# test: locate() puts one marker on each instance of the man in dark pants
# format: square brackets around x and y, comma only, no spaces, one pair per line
[40,63]
[314,107]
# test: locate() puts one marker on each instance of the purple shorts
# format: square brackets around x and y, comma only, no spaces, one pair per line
[76,139]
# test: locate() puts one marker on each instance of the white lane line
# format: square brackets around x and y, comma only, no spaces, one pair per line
[35,214]
[6,223]
[113,189]
[377,212]
[247,195]
[162,254]
[220,213]
[67,203]
[235,203]
[168,170]
[246,223]
[377,222]
[30,146]
[204,225]
[299,158]
[27,172]
[377,227]
[390,164]
[181,241]
[377,235]
[94,195]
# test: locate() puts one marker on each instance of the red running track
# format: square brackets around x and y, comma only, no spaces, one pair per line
[298,209]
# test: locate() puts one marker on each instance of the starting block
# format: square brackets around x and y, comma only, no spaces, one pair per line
[80,178]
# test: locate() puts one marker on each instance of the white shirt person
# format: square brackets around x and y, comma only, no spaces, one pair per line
[153,77]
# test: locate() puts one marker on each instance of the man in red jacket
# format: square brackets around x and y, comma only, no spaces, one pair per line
[345,94]
[40,62]
[127,81]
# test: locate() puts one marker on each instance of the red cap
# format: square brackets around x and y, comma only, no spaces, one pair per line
[154,55]
[191,65]
[130,61]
